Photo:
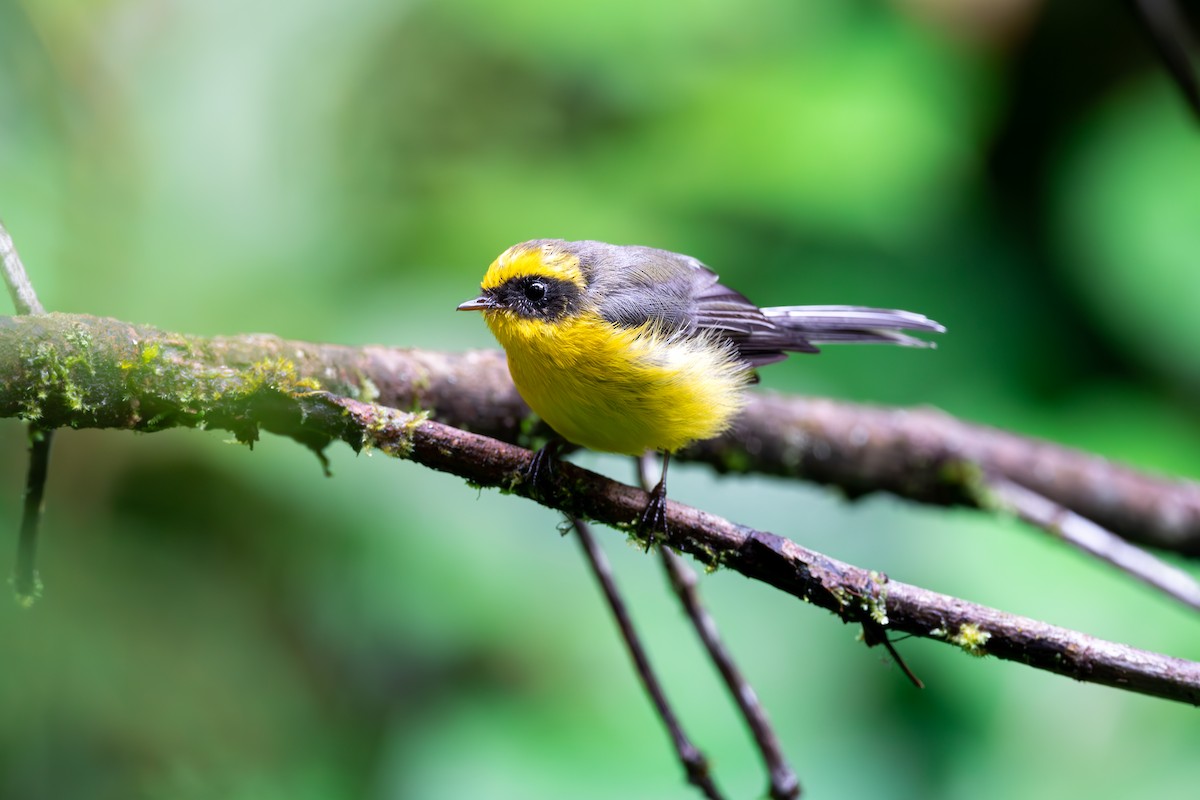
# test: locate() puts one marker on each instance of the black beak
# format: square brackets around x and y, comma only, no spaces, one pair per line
[481,303]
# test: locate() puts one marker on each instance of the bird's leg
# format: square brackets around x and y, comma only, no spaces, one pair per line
[540,471]
[652,523]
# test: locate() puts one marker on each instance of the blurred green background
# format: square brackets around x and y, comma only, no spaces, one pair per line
[225,623]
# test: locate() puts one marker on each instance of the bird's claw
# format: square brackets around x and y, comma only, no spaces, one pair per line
[652,522]
[539,473]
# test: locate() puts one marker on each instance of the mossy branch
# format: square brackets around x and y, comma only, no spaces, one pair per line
[80,371]
[68,370]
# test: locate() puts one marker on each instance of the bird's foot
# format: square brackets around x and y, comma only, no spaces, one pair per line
[652,522]
[539,473]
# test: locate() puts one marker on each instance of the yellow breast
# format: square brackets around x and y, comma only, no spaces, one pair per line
[622,390]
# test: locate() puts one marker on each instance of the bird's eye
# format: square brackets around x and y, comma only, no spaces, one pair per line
[535,291]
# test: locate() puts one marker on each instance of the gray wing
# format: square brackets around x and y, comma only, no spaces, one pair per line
[644,284]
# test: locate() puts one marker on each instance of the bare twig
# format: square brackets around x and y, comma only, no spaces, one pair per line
[1096,541]
[695,765]
[26,583]
[25,579]
[1169,33]
[19,288]
[783,784]
[898,659]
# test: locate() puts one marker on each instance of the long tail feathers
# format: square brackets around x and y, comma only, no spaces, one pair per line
[853,324]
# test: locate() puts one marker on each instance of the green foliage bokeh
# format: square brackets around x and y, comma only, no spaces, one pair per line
[225,623]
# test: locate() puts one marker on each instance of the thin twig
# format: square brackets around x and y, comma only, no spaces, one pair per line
[25,579]
[1095,540]
[896,657]
[783,782]
[695,765]
[26,583]
[1170,36]
[19,288]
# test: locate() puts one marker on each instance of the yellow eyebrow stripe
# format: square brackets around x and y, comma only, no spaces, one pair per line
[534,258]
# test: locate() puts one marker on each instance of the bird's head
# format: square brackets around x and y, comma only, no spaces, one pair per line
[540,281]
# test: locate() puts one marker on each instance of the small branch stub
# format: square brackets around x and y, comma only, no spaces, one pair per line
[26,584]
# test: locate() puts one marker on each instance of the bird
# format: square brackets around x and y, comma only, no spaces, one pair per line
[631,349]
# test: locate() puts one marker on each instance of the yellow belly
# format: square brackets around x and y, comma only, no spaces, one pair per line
[619,390]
